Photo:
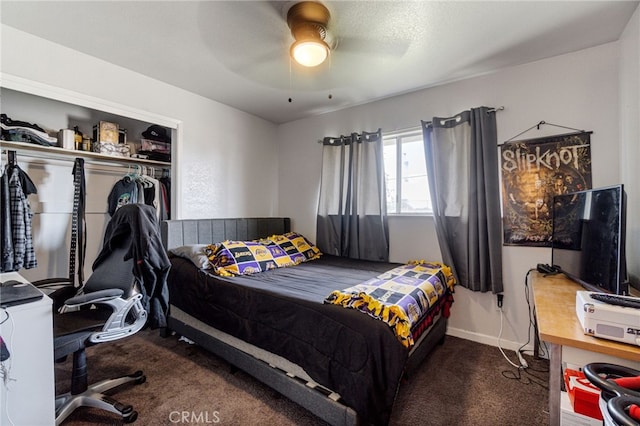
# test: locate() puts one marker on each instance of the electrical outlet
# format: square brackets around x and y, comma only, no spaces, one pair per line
[500,297]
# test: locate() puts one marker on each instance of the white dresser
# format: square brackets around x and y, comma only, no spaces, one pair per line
[27,393]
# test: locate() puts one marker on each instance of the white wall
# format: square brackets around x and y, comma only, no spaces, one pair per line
[226,162]
[222,146]
[630,138]
[578,90]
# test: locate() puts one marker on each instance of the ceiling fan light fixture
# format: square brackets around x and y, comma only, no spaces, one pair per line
[308,23]
[310,52]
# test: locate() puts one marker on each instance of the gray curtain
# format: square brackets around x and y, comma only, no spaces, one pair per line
[352,217]
[462,166]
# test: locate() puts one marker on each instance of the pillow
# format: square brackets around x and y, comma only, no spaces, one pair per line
[293,243]
[196,253]
[230,258]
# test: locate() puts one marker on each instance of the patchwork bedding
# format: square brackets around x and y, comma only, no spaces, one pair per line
[229,258]
[282,310]
[400,297]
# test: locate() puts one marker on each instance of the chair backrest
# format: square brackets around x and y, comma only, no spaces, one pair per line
[114,271]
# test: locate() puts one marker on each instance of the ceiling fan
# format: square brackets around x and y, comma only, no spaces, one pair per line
[256,40]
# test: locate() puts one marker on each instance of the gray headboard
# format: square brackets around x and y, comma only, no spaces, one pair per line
[176,233]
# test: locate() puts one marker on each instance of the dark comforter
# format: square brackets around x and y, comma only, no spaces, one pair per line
[282,311]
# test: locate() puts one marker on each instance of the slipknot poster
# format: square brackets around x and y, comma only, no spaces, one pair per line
[533,171]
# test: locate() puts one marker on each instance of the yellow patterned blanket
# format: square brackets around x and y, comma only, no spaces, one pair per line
[400,297]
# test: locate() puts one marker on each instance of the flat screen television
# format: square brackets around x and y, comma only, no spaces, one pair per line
[588,238]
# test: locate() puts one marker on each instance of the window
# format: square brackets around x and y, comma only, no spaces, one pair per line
[406,173]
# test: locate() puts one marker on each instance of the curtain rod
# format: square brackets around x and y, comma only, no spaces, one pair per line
[500,108]
[446,120]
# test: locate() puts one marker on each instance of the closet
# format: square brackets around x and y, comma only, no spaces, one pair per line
[51,169]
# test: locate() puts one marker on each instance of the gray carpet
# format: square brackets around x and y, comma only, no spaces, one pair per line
[460,383]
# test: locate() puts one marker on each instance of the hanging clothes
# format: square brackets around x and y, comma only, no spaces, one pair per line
[165,181]
[139,188]
[78,223]
[152,194]
[125,191]
[16,221]
[5,213]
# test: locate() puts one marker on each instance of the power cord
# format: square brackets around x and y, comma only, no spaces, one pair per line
[523,362]
[530,309]
[521,349]
[524,365]
[542,349]
[527,378]
[500,346]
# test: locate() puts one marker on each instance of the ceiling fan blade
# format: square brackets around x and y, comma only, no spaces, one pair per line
[249,30]
[255,59]
[358,45]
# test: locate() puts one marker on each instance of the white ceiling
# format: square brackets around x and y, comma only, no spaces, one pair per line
[236,52]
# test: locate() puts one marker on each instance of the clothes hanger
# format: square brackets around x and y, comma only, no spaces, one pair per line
[132,174]
[144,178]
[11,159]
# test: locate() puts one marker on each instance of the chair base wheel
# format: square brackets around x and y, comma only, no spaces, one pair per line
[94,397]
[131,417]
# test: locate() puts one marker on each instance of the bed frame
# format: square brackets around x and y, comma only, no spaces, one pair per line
[317,399]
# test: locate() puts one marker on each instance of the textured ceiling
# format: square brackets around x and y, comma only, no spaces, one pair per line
[236,52]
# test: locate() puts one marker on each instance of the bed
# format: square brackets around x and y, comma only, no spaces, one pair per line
[340,364]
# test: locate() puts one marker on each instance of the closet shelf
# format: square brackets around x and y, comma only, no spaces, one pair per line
[40,151]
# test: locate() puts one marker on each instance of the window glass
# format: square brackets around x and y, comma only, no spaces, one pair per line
[406,173]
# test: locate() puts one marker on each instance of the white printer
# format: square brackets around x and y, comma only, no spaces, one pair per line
[608,320]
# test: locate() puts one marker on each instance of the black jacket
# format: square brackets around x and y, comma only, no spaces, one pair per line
[151,263]
[5,225]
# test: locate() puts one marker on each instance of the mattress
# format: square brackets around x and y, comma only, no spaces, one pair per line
[282,311]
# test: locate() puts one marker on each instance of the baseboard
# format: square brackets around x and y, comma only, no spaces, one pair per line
[487,340]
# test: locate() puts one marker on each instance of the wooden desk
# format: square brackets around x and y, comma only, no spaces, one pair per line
[558,325]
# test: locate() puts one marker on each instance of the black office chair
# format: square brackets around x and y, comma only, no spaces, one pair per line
[108,308]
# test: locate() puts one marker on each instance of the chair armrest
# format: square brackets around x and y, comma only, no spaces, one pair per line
[49,282]
[100,296]
[58,289]
[127,318]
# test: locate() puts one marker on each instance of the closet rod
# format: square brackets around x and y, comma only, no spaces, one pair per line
[110,167]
